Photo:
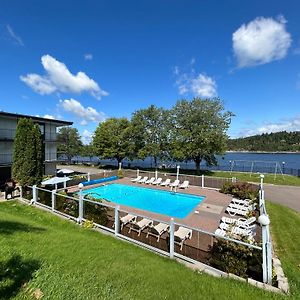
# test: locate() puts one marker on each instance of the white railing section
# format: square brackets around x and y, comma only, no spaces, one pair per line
[114,228]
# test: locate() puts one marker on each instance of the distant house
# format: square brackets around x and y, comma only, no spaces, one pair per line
[48,127]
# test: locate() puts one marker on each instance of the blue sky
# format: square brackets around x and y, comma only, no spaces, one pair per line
[85,61]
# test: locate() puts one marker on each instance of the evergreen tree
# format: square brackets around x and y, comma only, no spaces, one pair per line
[27,154]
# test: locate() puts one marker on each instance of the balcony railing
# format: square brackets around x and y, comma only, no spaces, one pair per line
[5,159]
[51,156]
[7,134]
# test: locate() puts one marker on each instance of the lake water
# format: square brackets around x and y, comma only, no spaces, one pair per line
[288,163]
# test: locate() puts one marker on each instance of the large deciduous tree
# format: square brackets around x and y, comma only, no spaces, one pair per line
[150,131]
[69,142]
[27,154]
[112,139]
[199,130]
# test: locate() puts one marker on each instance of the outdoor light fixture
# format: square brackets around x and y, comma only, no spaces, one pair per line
[264,220]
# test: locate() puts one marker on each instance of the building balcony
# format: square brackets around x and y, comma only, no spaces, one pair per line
[7,134]
[5,159]
[50,157]
[10,134]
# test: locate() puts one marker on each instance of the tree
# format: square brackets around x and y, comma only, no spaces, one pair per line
[199,130]
[27,154]
[150,131]
[112,139]
[69,142]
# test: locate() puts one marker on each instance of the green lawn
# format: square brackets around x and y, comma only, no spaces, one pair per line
[285,229]
[269,178]
[41,253]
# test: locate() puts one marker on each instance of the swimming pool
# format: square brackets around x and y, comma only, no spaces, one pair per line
[163,202]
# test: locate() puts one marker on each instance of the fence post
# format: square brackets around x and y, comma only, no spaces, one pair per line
[202,181]
[34,194]
[88,176]
[117,220]
[266,249]
[53,198]
[21,191]
[172,238]
[80,212]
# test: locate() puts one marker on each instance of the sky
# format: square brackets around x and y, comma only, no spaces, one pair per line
[85,61]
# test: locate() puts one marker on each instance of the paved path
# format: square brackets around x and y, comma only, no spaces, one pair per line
[283,194]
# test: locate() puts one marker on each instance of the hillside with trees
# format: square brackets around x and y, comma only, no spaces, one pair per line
[269,142]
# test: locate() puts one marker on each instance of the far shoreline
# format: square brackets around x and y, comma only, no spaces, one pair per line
[263,152]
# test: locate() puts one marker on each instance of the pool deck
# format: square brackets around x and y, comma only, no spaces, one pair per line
[209,211]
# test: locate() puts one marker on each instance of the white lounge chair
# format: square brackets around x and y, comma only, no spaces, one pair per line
[220,232]
[140,225]
[240,222]
[150,181]
[240,202]
[166,182]
[136,179]
[143,180]
[181,235]
[158,230]
[184,185]
[127,219]
[157,181]
[241,231]
[175,183]
[241,207]
[235,211]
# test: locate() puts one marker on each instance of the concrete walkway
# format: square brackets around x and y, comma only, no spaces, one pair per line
[284,195]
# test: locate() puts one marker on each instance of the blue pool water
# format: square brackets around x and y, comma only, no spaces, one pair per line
[163,202]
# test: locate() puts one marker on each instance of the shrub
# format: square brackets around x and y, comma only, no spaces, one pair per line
[241,190]
[120,174]
[234,258]
[88,224]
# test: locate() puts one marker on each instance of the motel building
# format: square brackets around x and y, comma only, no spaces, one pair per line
[48,127]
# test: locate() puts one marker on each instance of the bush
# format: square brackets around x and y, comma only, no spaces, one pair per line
[120,174]
[241,190]
[234,258]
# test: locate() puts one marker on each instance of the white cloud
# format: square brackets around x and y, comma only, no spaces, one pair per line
[199,85]
[261,41]
[49,117]
[83,123]
[86,114]
[86,137]
[59,79]
[291,124]
[13,36]
[88,56]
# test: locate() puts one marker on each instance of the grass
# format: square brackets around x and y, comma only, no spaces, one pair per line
[269,178]
[42,254]
[285,229]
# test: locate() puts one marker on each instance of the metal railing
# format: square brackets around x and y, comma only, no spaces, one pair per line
[6,159]
[107,216]
[7,134]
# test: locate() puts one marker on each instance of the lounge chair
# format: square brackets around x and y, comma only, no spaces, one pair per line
[175,183]
[184,185]
[235,211]
[143,180]
[241,231]
[158,230]
[181,235]
[241,222]
[166,182]
[136,179]
[241,207]
[127,219]
[240,202]
[140,225]
[150,181]
[157,181]
[220,232]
